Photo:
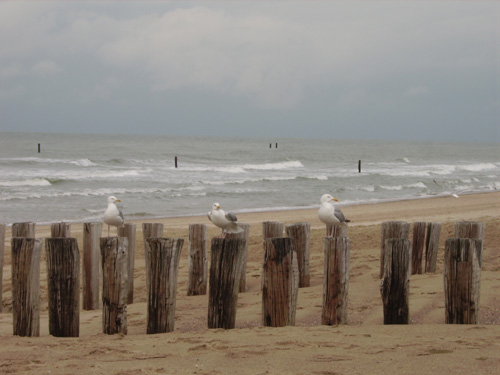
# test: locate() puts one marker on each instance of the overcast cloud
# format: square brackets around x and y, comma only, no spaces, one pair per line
[336,69]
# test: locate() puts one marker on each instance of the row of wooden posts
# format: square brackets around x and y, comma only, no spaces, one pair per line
[285,269]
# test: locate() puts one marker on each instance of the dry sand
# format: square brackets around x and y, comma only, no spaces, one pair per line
[364,346]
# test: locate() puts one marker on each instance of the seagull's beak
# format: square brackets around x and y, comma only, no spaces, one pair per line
[335,199]
[118,200]
[218,206]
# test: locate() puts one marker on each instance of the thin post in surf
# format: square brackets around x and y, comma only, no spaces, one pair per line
[26,253]
[114,284]
[63,279]
[91,250]
[418,247]
[335,280]
[392,229]
[280,283]
[301,233]
[432,246]
[462,278]
[243,235]
[2,250]
[359,166]
[26,229]
[59,230]
[225,267]
[197,259]
[175,161]
[129,231]
[163,265]
[395,285]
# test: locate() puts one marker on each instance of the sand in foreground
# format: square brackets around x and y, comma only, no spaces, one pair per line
[365,346]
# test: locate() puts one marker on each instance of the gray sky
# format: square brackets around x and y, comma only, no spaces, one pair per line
[417,70]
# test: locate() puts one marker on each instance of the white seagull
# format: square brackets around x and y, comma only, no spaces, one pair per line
[226,221]
[113,216]
[329,214]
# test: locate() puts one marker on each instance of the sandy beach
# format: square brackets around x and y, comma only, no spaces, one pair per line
[364,346]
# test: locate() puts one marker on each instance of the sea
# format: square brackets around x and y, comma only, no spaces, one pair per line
[47,178]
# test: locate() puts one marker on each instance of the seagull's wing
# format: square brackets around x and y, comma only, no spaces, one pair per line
[121,215]
[340,215]
[231,217]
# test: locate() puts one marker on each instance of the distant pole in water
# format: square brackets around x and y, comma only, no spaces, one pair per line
[175,162]
[39,148]
[270,145]
[359,166]
[276,144]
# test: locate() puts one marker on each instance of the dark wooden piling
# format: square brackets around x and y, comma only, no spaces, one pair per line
[359,166]
[129,231]
[39,148]
[163,265]
[114,284]
[337,230]
[300,234]
[271,229]
[91,258]
[279,283]
[26,253]
[432,246]
[418,247]
[395,285]
[462,278]
[59,230]
[471,229]
[2,250]
[197,260]
[150,230]
[175,161]
[26,229]
[392,229]
[244,236]
[225,268]
[335,280]
[63,278]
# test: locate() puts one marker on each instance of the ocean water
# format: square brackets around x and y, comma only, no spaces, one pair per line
[72,176]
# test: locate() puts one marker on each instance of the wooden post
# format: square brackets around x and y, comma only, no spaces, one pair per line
[337,230]
[359,166]
[150,230]
[175,161]
[462,278]
[2,250]
[432,246]
[39,148]
[392,229]
[335,280]
[244,236]
[114,284]
[197,260]
[271,229]
[418,247]
[26,254]
[471,229]
[395,285]
[279,283]
[163,265]
[129,230]
[225,268]
[63,278]
[300,233]
[58,230]
[26,229]
[91,249]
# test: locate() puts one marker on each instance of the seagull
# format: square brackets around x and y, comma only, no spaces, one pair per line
[226,221]
[113,216]
[329,214]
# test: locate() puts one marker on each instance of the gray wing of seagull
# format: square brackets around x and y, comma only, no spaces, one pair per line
[231,217]
[340,215]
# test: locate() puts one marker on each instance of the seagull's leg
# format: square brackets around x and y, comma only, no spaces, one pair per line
[108,231]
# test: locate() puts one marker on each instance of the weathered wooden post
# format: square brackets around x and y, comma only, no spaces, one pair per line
[58,230]
[129,230]
[225,268]
[150,230]
[2,250]
[26,229]
[395,285]
[63,278]
[462,279]
[418,247]
[114,284]
[26,253]
[432,246]
[392,229]
[271,229]
[244,236]
[197,260]
[279,283]
[335,280]
[91,250]
[300,234]
[471,229]
[163,265]
[337,230]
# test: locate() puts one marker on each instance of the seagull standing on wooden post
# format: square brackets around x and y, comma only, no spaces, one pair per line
[113,216]
[226,221]
[329,214]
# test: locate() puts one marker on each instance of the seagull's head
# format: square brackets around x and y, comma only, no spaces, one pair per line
[216,206]
[113,199]
[328,198]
